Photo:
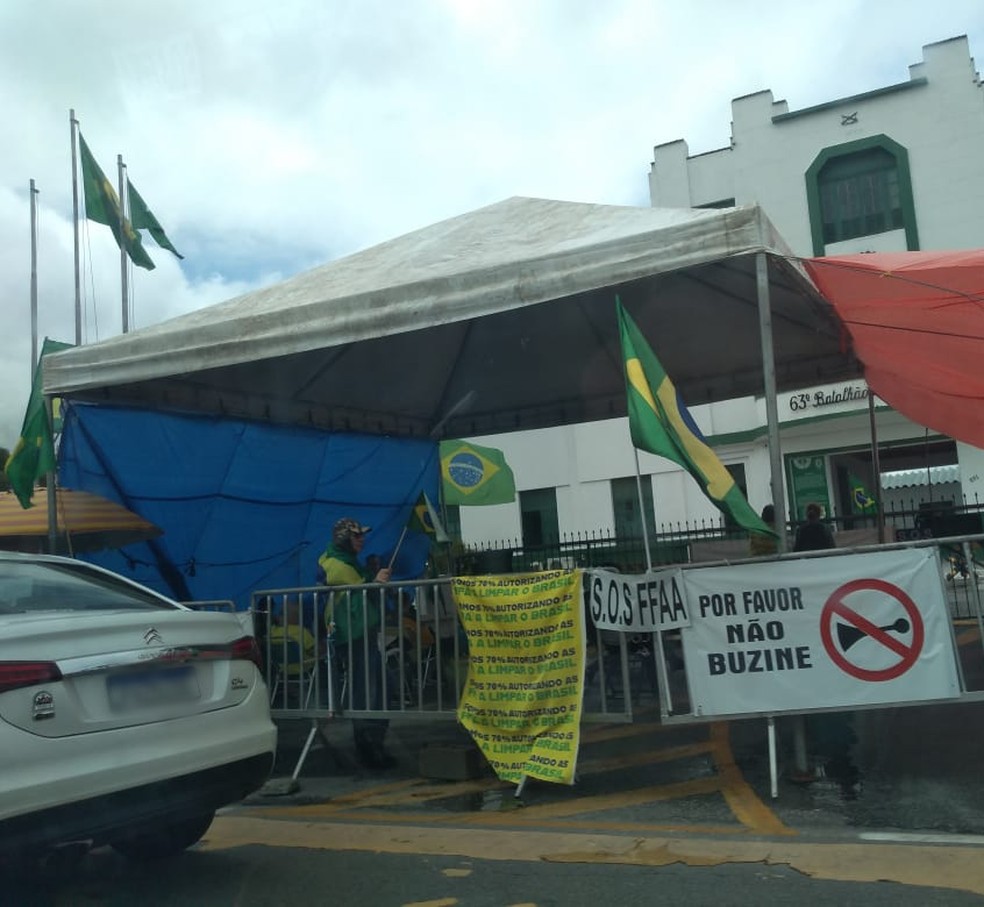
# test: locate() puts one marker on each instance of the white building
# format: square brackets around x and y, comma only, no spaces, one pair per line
[896,168]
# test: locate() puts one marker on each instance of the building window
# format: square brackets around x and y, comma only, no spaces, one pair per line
[859,195]
[859,189]
[625,504]
[538,512]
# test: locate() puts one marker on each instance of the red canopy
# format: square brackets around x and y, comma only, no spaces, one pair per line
[916,320]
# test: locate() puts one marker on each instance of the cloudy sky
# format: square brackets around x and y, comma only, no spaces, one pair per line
[272,137]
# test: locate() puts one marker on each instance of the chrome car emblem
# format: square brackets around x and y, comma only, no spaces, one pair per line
[152,635]
[44,705]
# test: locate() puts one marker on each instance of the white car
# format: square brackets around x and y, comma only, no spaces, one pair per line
[125,718]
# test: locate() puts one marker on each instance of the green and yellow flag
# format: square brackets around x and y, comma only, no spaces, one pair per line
[861,501]
[660,423]
[142,218]
[34,454]
[102,205]
[472,474]
[424,518]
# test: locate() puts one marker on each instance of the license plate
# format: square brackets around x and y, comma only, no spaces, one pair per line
[153,689]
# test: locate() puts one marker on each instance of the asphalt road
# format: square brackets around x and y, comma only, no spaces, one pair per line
[261,875]
[678,814]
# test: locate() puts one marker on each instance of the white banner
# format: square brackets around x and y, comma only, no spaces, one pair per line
[826,632]
[636,603]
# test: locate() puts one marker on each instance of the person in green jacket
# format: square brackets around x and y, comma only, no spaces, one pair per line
[354,619]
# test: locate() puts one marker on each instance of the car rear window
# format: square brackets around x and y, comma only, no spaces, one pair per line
[33,587]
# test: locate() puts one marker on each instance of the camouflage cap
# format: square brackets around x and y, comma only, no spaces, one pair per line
[345,528]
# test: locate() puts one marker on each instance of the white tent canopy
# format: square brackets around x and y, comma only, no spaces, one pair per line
[496,320]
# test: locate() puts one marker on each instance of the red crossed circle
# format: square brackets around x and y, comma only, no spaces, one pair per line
[835,607]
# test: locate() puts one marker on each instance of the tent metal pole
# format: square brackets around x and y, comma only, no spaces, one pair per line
[771,404]
[775,453]
[876,468]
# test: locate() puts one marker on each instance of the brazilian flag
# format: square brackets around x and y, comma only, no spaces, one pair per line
[34,454]
[142,218]
[861,501]
[661,423]
[102,205]
[472,474]
[424,518]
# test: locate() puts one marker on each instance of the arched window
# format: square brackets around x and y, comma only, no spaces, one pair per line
[859,189]
[859,195]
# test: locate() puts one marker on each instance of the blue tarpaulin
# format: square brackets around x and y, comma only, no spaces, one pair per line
[243,505]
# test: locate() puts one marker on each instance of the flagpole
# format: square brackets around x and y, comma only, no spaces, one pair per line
[660,656]
[444,519]
[124,283]
[642,512]
[35,365]
[34,279]
[396,550]
[50,483]
[444,513]
[73,124]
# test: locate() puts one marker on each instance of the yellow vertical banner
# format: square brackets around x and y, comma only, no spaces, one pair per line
[522,698]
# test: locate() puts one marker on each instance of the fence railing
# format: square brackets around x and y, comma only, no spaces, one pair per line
[321,662]
[690,542]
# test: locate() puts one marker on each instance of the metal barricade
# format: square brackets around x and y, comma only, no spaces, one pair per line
[412,664]
[319,663]
[414,660]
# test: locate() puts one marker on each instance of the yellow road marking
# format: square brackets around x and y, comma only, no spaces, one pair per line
[958,867]
[417,792]
[744,803]
[600,733]
[589,825]
[378,790]
[414,791]
[667,754]
[748,809]
[316,812]
[410,819]
[527,815]
[598,803]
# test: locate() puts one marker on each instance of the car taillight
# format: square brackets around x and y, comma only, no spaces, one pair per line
[242,649]
[17,674]
[246,649]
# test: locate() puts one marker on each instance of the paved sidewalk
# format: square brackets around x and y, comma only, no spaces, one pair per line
[912,769]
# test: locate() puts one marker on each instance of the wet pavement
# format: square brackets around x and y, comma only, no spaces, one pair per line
[914,769]
[911,769]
